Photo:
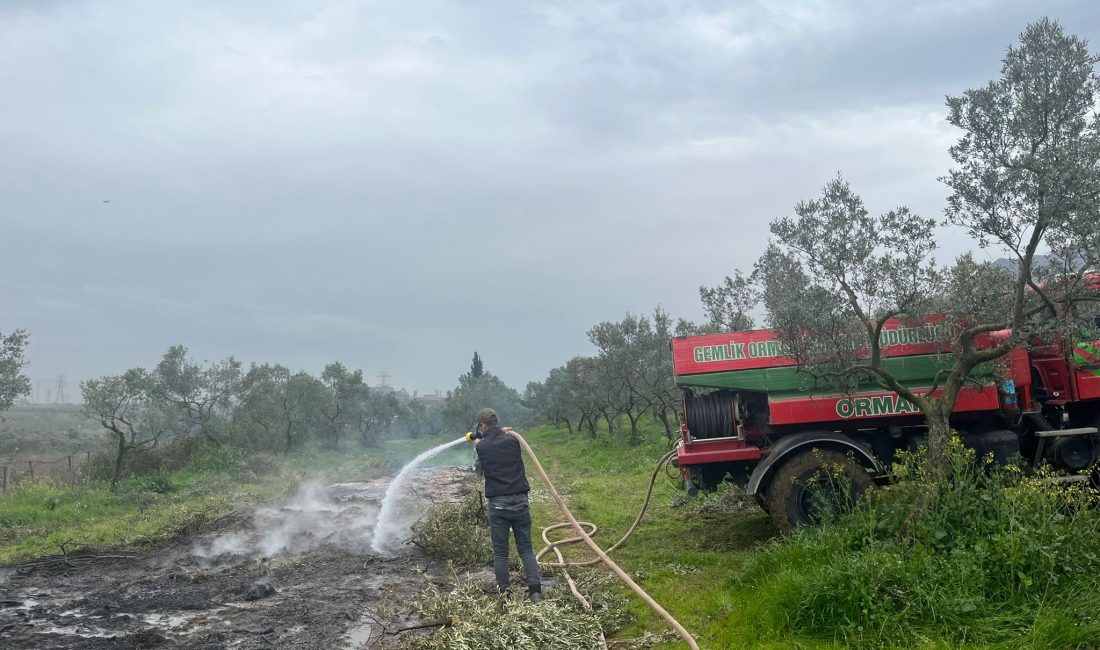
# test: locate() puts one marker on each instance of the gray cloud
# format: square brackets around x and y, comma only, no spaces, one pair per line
[398,184]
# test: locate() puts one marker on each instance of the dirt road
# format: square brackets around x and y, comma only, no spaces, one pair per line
[299,575]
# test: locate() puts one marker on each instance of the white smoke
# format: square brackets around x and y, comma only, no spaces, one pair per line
[344,515]
[341,516]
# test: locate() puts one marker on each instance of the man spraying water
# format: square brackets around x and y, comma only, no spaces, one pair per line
[499,460]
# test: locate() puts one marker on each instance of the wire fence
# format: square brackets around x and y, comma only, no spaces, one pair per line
[65,469]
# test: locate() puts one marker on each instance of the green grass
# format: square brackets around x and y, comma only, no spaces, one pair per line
[36,519]
[682,557]
[989,564]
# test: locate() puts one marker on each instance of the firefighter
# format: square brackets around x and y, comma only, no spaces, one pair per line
[506,488]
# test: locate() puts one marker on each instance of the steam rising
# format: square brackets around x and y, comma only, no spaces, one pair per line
[345,515]
[388,530]
[341,516]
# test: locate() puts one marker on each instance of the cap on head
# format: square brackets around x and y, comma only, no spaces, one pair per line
[488,417]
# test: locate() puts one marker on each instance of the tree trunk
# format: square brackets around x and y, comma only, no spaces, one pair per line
[119,457]
[662,415]
[368,440]
[634,439]
[289,437]
[568,425]
[205,429]
[939,438]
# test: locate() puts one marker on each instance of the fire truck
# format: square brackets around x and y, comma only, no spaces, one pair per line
[752,415]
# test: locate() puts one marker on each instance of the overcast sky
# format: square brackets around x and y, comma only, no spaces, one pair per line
[397,184]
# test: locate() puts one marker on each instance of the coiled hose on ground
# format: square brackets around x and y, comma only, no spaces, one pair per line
[586,537]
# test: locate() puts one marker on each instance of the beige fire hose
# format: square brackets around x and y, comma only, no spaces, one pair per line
[586,537]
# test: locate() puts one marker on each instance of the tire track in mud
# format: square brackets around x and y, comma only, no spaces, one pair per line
[300,575]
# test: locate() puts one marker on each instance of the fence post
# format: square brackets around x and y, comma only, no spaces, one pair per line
[70,463]
[30,465]
[4,479]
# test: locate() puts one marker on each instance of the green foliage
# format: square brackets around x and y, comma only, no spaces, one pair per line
[200,394]
[630,378]
[197,454]
[634,370]
[728,305]
[229,460]
[484,390]
[154,484]
[983,555]
[488,622]
[457,532]
[13,383]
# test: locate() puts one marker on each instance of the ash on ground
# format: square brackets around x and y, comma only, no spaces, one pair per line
[295,576]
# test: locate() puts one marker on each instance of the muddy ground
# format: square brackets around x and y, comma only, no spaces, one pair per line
[299,575]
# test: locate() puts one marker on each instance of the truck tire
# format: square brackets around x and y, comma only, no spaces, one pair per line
[810,481]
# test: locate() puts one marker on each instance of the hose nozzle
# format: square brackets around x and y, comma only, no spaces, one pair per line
[473,435]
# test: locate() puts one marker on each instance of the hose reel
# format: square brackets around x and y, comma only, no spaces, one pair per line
[714,415]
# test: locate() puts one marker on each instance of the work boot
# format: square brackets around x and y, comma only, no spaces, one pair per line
[535,596]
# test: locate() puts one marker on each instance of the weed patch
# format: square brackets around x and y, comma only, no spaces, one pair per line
[985,556]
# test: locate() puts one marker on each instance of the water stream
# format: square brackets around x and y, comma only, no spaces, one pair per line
[386,531]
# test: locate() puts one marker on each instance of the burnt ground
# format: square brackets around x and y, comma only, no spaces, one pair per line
[300,575]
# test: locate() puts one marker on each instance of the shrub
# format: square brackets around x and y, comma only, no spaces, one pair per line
[193,453]
[982,555]
[143,461]
[209,458]
[100,467]
[159,484]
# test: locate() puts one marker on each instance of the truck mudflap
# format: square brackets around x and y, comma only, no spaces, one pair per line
[795,443]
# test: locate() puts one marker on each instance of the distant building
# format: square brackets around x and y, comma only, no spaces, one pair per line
[437,398]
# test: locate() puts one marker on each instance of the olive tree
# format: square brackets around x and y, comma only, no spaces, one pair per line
[578,399]
[1026,180]
[203,394]
[279,408]
[348,394]
[374,411]
[546,399]
[122,405]
[729,304]
[13,383]
[623,359]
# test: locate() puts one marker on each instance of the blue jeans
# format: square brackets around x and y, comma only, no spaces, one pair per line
[512,512]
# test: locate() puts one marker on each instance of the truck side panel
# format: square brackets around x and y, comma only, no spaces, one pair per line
[1086,357]
[863,405]
[762,348]
[786,381]
[794,397]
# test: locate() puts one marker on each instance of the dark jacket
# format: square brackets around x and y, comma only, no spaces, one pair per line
[502,464]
